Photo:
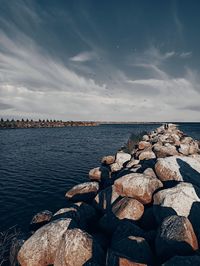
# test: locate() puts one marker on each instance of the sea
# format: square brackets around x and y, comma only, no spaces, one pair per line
[39,165]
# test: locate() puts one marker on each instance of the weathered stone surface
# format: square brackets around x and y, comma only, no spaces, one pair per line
[179,199]
[76,248]
[184,149]
[183,261]
[138,186]
[132,163]
[108,159]
[186,140]
[147,155]
[164,151]
[43,216]
[150,172]
[105,198]
[99,173]
[41,247]
[127,208]
[175,237]
[179,168]
[122,157]
[114,167]
[144,145]
[83,192]
[65,210]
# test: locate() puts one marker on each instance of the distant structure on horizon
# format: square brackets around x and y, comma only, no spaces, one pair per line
[43,123]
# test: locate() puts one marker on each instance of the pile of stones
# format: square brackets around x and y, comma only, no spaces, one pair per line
[139,207]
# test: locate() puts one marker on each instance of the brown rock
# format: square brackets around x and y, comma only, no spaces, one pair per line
[132,163]
[43,216]
[122,157]
[98,173]
[175,237]
[138,186]
[178,168]
[128,208]
[144,145]
[76,248]
[147,155]
[108,159]
[126,262]
[164,151]
[83,192]
[150,172]
[40,249]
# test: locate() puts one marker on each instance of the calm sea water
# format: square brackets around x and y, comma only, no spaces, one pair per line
[37,166]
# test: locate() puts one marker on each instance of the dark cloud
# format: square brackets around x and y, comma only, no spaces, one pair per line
[101,60]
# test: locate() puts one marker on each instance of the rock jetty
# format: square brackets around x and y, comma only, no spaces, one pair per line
[43,123]
[139,207]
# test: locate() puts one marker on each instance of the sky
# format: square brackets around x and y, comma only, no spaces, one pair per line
[116,60]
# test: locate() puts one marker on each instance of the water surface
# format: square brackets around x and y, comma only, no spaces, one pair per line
[38,166]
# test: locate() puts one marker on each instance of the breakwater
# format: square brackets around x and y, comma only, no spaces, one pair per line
[140,207]
[43,123]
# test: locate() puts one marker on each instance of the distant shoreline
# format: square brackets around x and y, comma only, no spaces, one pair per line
[15,124]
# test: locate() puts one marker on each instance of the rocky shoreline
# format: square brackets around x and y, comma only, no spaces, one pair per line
[14,124]
[139,207]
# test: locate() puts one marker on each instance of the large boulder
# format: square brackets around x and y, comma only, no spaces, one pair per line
[83,192]
[175,237]
[144,145]
[183,261]
[164,151]
[76,248]
[128,208]
[176,200]
[105,198]
[99,173]
[179,168]
[137,186]
[40,249]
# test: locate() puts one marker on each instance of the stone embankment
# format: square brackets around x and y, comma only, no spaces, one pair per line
[139,207]
[43,123]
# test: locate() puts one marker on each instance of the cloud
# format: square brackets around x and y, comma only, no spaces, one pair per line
[84,57]
[185,54]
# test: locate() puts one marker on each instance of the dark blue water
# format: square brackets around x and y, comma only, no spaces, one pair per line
[37,166]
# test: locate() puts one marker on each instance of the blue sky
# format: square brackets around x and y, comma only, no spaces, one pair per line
[100,60]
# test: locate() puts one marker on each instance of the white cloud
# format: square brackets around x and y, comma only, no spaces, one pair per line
[185,54]
[84,57]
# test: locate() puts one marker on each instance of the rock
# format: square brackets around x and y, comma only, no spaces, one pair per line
[138,186]
[132,163]
[175,237]
[43,216]
[179,168]
[135,248]
[184,149]
[126,262]
[147,155]
[150,172]
[40,249]
[83,192]
[186,140]
[115,167]
[145,138]
[76,248]
[144,145]
[108,160]
[99,173]
[105,198]
[65,210]
[176,200]
[183,261]
[164,151]
[127,208]
[122,157]
[194,148]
